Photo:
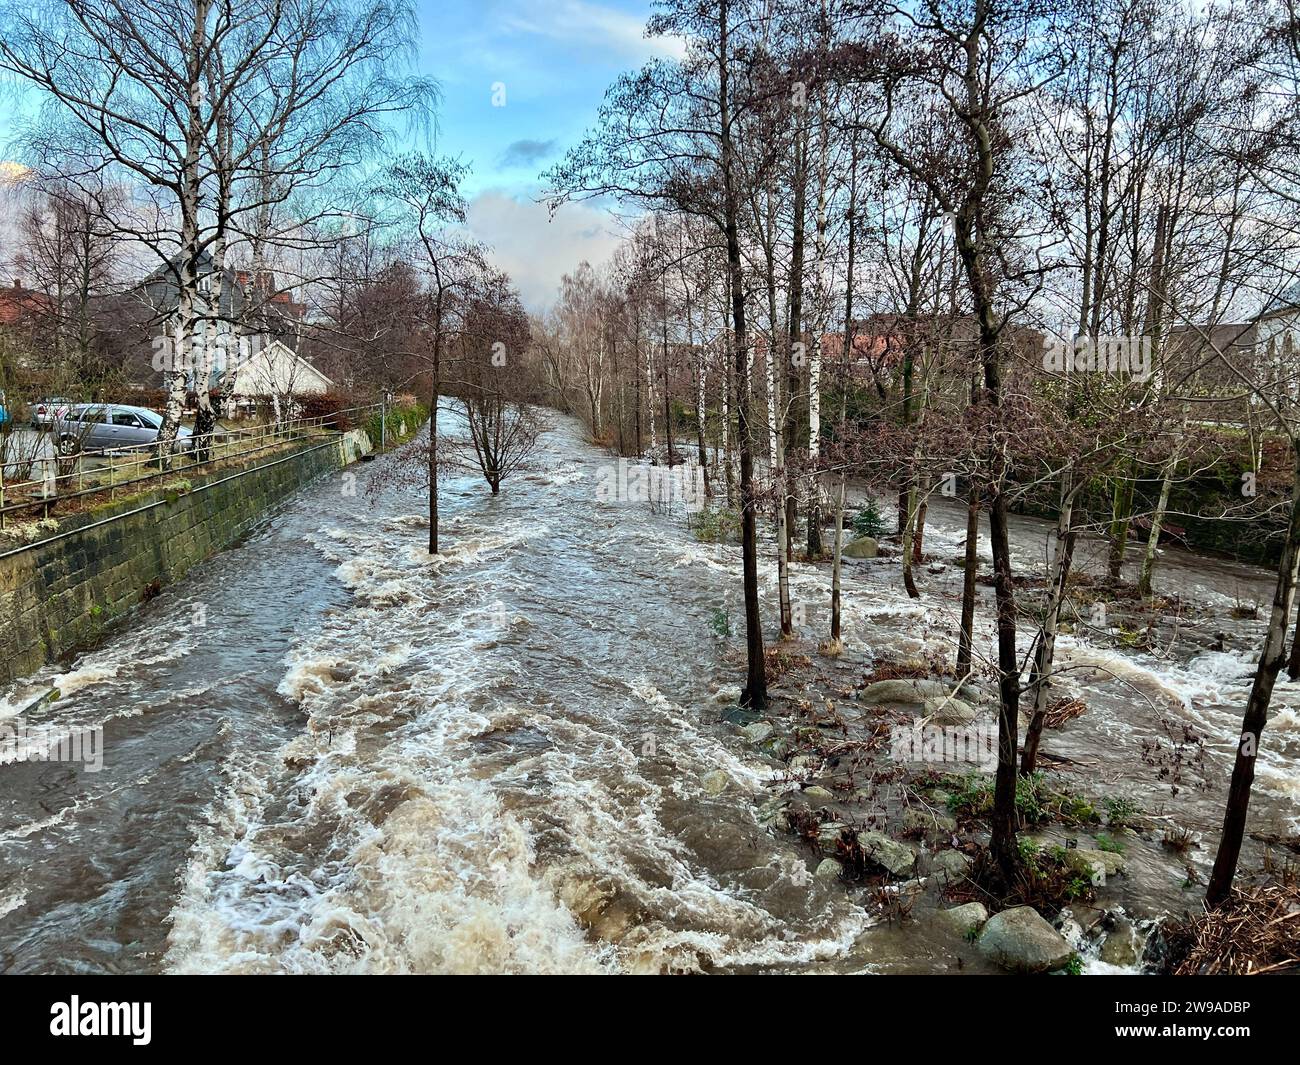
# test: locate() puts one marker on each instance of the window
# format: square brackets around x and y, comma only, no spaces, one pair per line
[126,418]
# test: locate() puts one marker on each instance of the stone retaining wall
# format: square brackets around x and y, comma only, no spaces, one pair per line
[62,592]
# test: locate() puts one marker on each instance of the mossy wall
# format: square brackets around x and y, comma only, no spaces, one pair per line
[60,594]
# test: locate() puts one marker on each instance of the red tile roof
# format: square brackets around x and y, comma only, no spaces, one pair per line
[18,302]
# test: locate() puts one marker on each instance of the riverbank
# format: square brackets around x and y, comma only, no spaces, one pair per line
[882,759]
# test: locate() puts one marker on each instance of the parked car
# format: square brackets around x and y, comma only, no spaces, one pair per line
[102,426]
[46,411]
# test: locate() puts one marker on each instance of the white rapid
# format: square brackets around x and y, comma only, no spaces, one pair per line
[488,761]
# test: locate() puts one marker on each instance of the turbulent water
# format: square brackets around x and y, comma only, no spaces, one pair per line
[325,751]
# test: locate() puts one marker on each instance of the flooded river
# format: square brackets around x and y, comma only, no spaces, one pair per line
[325,751]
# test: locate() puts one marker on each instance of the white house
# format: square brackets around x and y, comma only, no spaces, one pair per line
[1277,343]
[273,370]
[240,334]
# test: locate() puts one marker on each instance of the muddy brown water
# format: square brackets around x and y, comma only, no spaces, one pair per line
[326,752]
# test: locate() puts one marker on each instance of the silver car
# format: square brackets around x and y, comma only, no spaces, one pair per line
[104,426]
[45,412]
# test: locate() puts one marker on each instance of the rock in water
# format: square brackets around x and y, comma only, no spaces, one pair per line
[1095,864]
[1020,940]
[827,869]
[950,865]
[1122,946]
[828,837]
[962,919]
[903,691]
[945,711]
[715,783]
[887,853]
[862,547]
[757,732]
[933,824]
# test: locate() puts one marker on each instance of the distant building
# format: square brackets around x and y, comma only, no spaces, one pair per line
[252,327]
[1277,346]
[22,307]
[275,371]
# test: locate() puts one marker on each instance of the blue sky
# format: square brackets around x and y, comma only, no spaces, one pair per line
[555,58]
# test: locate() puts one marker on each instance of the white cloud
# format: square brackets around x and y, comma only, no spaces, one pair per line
[534,249]
[575,21]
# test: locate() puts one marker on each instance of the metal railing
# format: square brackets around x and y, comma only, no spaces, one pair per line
[71,477]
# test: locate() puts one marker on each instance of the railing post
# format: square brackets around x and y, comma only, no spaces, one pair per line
[383,421]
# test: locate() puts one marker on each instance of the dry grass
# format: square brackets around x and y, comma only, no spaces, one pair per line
[1256,931]
[897,671]
[781,661]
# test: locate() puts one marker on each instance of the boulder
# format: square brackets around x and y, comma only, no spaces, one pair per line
[862,547]
[1095,864]
[887,853]
[828,837]
[1020,939]
[715,783]
[950,865]
[827,869]
[903,691]
[818,793]
[932,824]
[1071,930]
[758,732]
[962,919]
[944,711]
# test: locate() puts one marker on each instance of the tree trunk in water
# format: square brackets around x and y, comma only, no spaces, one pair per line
[754,693]
[970,571]
[909,532]
[1293,666]
[836,565]
[1256,715]
[433,470]
[1002,822]
[636,378]
[776,455]
[1040,682]
[782,560]
[1153,539]
[1121,512]
[1157,522]
[815,547]
[918,537]
[724,430]
[433,421]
